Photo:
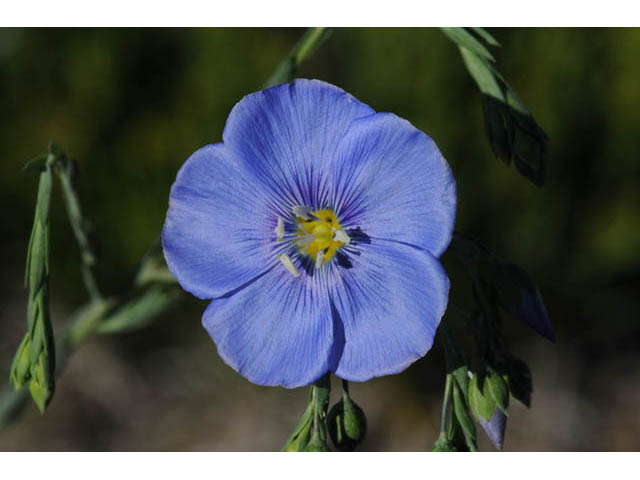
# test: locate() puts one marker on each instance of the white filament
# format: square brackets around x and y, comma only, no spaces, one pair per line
[319,258]
[279,229]
[288,264]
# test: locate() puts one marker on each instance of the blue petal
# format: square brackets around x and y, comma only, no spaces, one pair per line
[276,331]
[218,234]
[495,427]
[390,303]
[393,183]
[286,135]
[533,312]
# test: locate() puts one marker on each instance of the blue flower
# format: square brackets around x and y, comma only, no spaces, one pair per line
[315,227]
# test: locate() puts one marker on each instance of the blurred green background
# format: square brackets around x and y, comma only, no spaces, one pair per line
[130,105]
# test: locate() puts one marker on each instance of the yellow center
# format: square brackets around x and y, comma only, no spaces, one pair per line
[317,233]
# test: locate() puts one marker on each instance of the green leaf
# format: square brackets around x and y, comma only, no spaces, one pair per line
[486,36]
[140,311]
[482,73]
[481,403]
[477,259]
[37,164]
[519,380]
[456,363]
[20,367]
[462,414]
[41,385]
[511,130]
[519,295]
[298,439]
[498,390]
[306,46]
[461,374]
[464,39]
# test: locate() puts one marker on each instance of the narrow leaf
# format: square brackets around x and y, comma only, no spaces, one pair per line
[486,36]
[519,295]
[480,402]
[464,39]
[498,390]
[462,413]
[519,380]
[482,74]
[36,165]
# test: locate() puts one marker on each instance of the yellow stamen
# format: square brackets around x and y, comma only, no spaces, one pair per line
[320,235]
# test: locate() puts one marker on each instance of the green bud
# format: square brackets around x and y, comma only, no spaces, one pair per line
[480,400]
[21,364]
[35,357]
[316,444]
[347,423]
[299,438]
[499,391]
[41,385]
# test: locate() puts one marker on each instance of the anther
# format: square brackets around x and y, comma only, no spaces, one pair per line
[341,236]
[279,229]
[288,264]
[300,211]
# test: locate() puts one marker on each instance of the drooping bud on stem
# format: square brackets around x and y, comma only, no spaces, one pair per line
[35,358]
[347,422]
[310,435]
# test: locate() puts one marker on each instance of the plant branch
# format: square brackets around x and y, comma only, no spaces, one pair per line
[79,227]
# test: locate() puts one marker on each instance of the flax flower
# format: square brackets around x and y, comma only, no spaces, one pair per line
[315,227]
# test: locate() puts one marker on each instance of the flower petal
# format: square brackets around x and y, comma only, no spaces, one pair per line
[390,303]
[495,427]
[277,331]
[218,229]
[393,183]
[287,134]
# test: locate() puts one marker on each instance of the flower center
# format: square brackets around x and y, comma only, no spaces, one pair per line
[318,235]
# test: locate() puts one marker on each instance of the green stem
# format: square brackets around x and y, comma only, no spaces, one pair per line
[306,46]
[92,317]
[78,225]
[320,396]
[345,388]
[445,403]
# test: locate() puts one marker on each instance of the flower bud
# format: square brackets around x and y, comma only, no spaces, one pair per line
[21,364]
[347,424]
[316,444]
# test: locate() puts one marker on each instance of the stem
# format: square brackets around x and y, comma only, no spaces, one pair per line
[445,403]
[78,226]
[345,388]
[88,320]
[320,397]
[90,317]
[306,46]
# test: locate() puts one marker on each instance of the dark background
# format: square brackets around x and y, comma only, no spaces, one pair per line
[131,105]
